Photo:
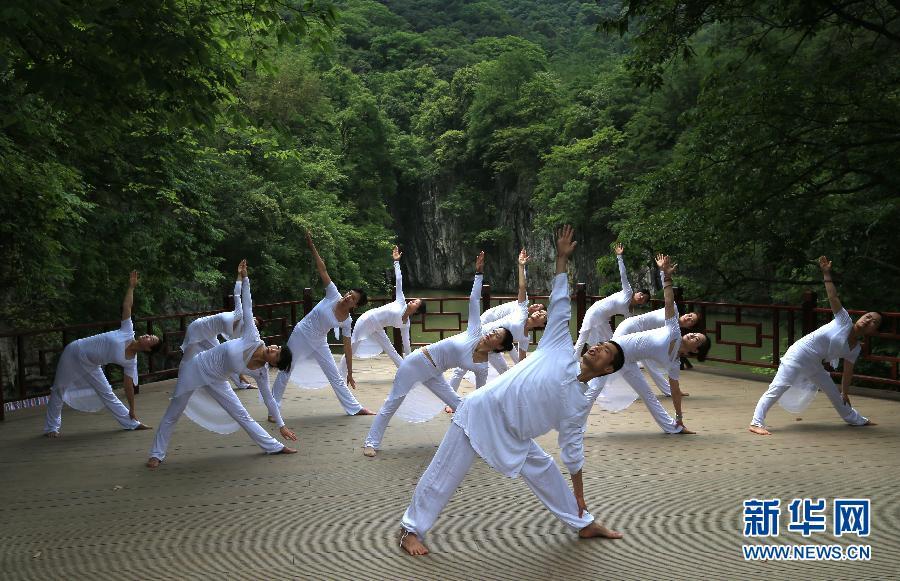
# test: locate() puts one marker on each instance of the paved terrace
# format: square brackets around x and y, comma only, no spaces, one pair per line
[85,507]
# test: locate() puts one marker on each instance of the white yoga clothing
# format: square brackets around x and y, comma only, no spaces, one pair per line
[596,328]
[455,351]
[370,326]
[514,322]
[81,383]
[209,371]
[309,340]
[203,333]
[801,368]
[540,394]
[647,322]
[452,461]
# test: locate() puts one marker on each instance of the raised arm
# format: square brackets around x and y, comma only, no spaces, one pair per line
[474,322]
[320,264]
[523,289]
[565,246]
[556,332]
[398,276]
[129,296]
[250,332]
[623,274]
[238,284]
[667,268]
[833,300]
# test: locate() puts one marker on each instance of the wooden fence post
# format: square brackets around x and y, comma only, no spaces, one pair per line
[580,304]
[808,312]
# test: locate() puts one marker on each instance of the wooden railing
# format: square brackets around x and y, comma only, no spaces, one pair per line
[28,358]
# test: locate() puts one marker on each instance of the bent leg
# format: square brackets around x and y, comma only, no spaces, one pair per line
[167,425]
[545,480]
[232,404]
[446,471]
[824,382]
[636,380]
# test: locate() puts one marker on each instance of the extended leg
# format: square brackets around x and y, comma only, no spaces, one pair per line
[99,384]
[659,378]
[53,421]
[414,368]
[824,382]
[545,480]
[498,362]
[636,380]
[382,339]
[325,359]
[446,471]
[167,424]
[232,404]
[784,377]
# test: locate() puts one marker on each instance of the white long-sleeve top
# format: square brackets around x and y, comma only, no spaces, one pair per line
[540,394]
[457,351]
[316,324]
[206,330]
[216,365]
[511,315]
[827,343]
[596,328]
[660,345]
[99,350]
[389,315]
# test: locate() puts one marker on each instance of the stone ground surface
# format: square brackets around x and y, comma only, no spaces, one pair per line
[85,507]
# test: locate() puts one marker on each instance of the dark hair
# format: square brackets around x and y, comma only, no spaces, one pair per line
[422,305]
[619,358]
[158,347]
[882,327]
[285,358]
[507,341]
[703,350]
[363,297]
[642,290]
[684,330]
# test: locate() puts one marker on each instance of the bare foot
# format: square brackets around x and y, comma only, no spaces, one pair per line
[868,423]
[597,530]
[364,412]
[153,462]
[143,427]
[271,419]
[286,450]
[411,544]
[370,452]
[448,409]
[759,431]
[52,434]
[685,432]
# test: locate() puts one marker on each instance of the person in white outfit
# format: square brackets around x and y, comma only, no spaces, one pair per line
[209,371]
[595,327]
[802,364]
[80,381]
[663,346]
[309,339]
[547,391]
[468,350]
[370,325]
[516,316]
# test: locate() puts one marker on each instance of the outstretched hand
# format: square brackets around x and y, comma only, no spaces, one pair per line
[479,262]
[133,279]
[242,268]
[309,240]
[665,264]
[396,254]
[824,265]
[287,433]
[565,241]
[620,250]
[523,257]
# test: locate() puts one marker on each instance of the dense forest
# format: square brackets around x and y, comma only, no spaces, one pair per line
[745,138]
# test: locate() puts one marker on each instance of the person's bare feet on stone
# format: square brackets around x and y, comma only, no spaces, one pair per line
[369,452]
[286,450]
[271,419]
[759,431]
[868,423]
[153,462]
[364,412]
[143,427]
[52,435]
[595,530]
[411,544]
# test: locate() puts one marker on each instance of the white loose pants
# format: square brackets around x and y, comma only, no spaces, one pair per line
[415,368]
[229,400]
[99,384]
[302,348]
[789,373]
[632,374]
[452,461]
[659,378]
[380,337]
